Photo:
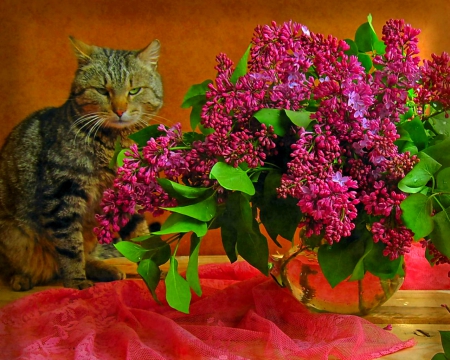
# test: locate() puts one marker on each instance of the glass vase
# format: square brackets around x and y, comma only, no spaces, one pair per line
[300,272]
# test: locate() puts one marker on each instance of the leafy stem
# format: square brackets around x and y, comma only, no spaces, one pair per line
[442,206]
[180,148]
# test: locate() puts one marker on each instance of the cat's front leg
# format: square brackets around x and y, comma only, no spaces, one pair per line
[71,259]
[63,206]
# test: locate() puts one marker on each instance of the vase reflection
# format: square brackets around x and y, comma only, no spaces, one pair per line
[299,271]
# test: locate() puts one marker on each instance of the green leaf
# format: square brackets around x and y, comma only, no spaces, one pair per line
[440,124]
[192,268]
[299,118]
[365,61]
[241,68]
[203,210]
[141,137]
[369,20]
[117,150]
[406,116]
[178,291]
[232,178]
[177,223]
[443,180]
[151,274]
[380,47]
[120,156]
[191,136]
[439,356]
[353,47]
[444,200]
[439,236]
[196,112]
[380,265]
[195,94]
[239,212]
[404,135]
[131,251]
[410,147]
[229,235]
[417,215]
[141,238]
[365,37]
[440,152]
[436,105]
[279,216]
[159,250]
[339,260]
[419,176]
[445,340]
[254,249]
[417,132]
[179,191]
[360,270]
[273,117]
[204,130]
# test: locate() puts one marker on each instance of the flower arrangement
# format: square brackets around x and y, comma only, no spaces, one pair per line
[347,140]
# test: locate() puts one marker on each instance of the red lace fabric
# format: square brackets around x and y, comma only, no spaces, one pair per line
[241,315]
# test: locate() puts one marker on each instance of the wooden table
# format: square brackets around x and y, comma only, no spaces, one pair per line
[414,314]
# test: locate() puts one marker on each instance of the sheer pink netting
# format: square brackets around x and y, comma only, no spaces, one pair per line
[241,315]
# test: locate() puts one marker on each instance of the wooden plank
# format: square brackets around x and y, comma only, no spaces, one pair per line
[414,298]
[409,315]
[414,307]
[425,348]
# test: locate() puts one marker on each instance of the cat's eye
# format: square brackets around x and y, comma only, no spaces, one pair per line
[135,91]
[102,91]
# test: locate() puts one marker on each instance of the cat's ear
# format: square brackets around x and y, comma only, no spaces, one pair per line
[150,54]
[82,51]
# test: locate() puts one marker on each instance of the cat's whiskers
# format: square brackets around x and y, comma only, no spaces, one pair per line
[150,117]
[91,120]
[142,122]
[83,118]
[94,129]
[89,123]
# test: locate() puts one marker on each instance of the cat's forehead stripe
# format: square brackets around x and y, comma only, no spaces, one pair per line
[117,66]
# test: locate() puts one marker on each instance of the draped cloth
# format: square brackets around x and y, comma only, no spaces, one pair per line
[241,315]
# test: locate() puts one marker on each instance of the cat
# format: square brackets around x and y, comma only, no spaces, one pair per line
[54,167]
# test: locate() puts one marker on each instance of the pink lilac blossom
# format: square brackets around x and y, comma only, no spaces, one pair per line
[400,71]
[435,80]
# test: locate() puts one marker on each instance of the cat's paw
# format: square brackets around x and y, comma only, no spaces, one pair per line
[21,282]
[98,270]
[79,284]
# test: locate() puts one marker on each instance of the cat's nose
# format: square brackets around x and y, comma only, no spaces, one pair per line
[119,112]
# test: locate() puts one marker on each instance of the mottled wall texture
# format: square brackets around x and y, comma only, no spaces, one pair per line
[37,64]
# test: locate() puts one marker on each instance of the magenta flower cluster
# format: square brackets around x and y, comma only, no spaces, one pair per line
[344,165]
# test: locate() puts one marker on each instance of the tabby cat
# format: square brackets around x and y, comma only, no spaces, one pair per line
[54,168]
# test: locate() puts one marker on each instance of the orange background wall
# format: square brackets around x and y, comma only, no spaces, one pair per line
[37,64]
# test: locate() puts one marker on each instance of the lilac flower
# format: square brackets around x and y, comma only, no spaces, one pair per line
[346,162]
[305,30]
[344,181]
[359,99]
